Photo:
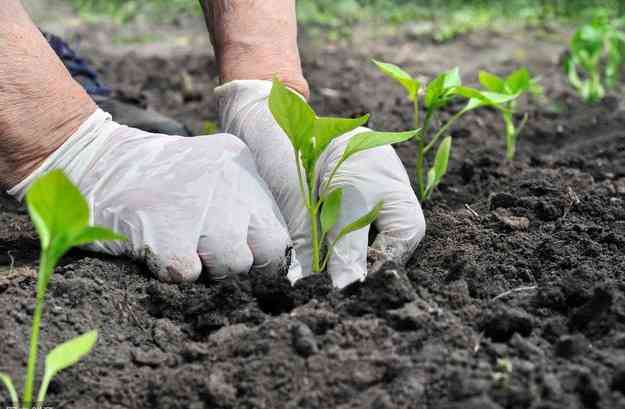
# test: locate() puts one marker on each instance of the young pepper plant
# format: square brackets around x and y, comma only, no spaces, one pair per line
[597,49]
[310,135]
[436,95]
[515,85]
[61,217]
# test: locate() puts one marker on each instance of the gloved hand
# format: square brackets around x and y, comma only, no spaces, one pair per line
[366,178]
[183,203]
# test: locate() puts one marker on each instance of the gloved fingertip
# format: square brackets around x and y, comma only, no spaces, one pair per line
[346,268]
[174,269]
[387,247]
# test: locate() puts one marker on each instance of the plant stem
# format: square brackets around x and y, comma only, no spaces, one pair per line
[34,336]
[421,182]
[417,114]
[444,129]
[510,135]
[316,247]
[421,169]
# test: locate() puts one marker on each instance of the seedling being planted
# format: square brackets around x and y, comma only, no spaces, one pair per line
[310,135]
[597,51]
[61,217]
[514,85]
[435,96]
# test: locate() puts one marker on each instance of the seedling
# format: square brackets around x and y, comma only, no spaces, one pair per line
[597,50]
[437,95]
[310,135]
[61,217]
[515,84]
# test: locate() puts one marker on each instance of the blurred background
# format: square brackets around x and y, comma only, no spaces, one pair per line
[156,53]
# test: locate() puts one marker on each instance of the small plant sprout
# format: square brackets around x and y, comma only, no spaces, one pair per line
[436,95]
[515,85]
[61,217]
[310,135]
[597,50]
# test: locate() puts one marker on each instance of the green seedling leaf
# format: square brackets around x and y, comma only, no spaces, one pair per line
[519,81]
[64,356]
[91,234]
[410,84]
[434,91]
[293,115]
[331,210]
[441,162]
[362,222]
[441,90]
[370,140]
[57,208]
[479,99]
[452,78]
[8,383]
[492,82]
[327,129]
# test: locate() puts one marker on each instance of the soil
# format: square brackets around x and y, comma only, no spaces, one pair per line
[515,299]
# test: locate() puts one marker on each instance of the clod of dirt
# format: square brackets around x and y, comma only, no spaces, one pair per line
[502,200]
[618,381]
[600,303]
[412,315]
[503,322]
[314,286]
[570,346]
[272,290]
[220,392]
[304,340]
[511,222]
[386,289]
[194,351]
[153,358]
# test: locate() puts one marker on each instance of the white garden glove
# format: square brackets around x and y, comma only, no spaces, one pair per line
[183,203]
[366,178]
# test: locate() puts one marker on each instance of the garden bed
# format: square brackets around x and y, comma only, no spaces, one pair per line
[515,299]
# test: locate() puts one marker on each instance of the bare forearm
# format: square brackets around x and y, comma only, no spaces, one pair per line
[256,39]
[40,104]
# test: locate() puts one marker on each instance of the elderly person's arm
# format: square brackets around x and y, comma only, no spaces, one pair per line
[184,203]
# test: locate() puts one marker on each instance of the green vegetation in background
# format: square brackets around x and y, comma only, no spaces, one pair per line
[597,52]
[435,96]
[339,13]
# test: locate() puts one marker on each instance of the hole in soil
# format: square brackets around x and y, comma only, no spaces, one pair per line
[275,304]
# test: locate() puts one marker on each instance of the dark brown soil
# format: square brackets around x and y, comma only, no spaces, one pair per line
[515,299]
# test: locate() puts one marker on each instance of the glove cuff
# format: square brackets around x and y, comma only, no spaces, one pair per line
[75,156]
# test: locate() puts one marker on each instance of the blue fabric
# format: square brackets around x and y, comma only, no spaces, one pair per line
[78,67]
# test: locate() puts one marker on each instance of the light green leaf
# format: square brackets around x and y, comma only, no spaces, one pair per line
[518,82]
[6,379]
[64,356]
[362,222]
[484,98]
[331,210]
[326,129]
[492,82]
[370,140]
[469,92]
[434,91]
[95,233]
[411,85]
[441,163]
[56,207]
[452,79]
[293,115]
